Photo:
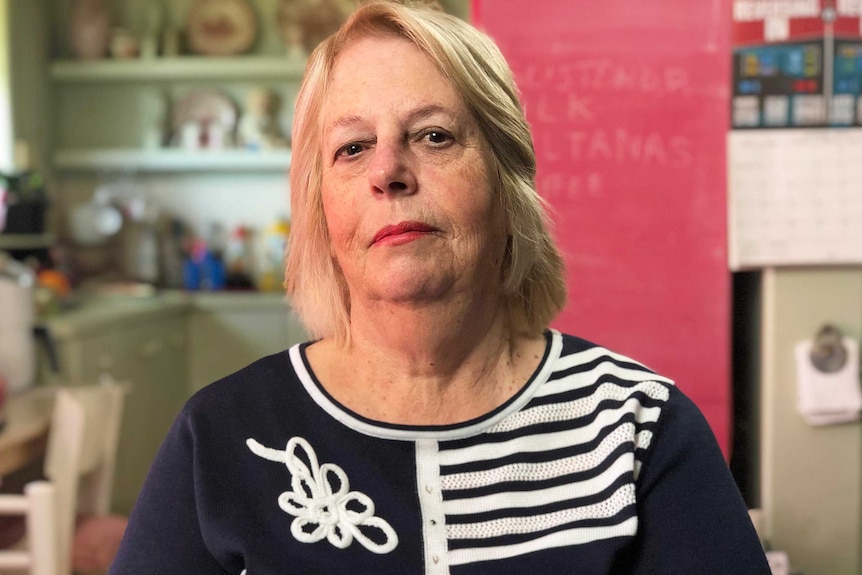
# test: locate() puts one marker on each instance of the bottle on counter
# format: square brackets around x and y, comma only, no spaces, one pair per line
[204,270]
[271,278]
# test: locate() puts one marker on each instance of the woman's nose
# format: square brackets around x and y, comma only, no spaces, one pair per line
[390,170]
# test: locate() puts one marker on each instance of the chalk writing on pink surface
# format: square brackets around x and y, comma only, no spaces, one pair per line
[615,146]
[604,75]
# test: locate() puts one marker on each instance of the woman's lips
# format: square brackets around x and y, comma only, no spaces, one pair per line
[402,232]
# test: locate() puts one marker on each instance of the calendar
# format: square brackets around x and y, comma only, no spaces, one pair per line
[795,197]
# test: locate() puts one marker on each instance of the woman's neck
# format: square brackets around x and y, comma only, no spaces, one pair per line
[429,364]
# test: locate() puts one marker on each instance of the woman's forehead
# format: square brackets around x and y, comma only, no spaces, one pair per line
[375,75]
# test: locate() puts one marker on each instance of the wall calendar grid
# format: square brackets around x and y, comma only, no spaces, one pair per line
[795,197]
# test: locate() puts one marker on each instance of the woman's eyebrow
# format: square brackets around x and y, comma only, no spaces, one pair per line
[344,122]
[418,113]
[428,110]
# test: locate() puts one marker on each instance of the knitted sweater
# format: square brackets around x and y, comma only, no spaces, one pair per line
[597,466]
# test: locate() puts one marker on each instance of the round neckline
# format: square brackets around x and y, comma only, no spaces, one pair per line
[384,430]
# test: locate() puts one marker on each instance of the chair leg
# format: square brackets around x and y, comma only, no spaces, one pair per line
[42,528]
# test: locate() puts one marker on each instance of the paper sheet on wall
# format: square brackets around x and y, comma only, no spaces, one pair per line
[795,197]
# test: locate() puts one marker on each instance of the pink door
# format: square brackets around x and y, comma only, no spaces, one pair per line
[629,105]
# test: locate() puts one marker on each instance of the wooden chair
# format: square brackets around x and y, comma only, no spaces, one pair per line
[38,506]
[79,467]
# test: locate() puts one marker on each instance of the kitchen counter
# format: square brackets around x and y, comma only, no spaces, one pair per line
[225,300]
[94,313]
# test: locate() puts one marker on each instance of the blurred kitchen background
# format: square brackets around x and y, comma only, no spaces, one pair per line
[160,131]
[144,197]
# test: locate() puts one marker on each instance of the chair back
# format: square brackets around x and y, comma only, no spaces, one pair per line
[81,453]
[79,467]
[39,555]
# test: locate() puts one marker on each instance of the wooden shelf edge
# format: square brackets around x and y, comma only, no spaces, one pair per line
[25,241]
[170,160]
[176,68]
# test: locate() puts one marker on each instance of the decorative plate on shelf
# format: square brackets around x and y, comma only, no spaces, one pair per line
[220,27]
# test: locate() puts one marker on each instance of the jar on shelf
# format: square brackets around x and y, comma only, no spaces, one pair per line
[124,44]
[89,29]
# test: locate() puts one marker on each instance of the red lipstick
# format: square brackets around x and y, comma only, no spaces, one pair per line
[402,232]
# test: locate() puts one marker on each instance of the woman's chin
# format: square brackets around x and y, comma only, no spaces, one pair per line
[412,286]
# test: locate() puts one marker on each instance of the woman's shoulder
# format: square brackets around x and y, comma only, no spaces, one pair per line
[611,380]
[601,389]
[257,382]
[578,355]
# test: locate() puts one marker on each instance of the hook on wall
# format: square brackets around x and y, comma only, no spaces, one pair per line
[828,353]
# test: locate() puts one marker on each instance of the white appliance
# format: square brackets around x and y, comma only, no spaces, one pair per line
[17,311]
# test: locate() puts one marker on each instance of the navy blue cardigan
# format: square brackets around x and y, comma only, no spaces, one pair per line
[597,466]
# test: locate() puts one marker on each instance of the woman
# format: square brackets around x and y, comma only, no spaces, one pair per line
[435,424]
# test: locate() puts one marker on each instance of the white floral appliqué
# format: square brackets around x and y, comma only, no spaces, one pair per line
[321,501]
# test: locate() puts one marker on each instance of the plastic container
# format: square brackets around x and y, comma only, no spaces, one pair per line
[204,270]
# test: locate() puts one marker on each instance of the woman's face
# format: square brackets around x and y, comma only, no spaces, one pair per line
[411,214]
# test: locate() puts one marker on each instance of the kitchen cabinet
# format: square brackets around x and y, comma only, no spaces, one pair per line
[149,352]
[166,347]
[227,332]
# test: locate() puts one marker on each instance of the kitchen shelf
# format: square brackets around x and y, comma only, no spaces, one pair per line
[170,160]
[183,68]
[25,241]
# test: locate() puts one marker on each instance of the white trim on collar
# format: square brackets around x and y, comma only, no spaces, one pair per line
[415,433]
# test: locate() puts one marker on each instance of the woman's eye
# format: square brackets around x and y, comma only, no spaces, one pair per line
[437,138]
[349,150]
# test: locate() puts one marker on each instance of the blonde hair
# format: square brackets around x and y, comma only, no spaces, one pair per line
[533,285]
